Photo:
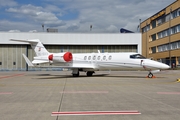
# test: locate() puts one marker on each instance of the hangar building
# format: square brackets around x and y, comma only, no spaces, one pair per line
[11,51]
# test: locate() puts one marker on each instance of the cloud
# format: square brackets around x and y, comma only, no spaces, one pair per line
[73,27]
[14,31]
[112,29]
[7,3]
[18,26]
[77,15]
[107,16]
[37,14]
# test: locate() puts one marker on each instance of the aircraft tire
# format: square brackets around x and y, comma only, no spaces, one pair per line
[89,73]
[76,75]
[150,75]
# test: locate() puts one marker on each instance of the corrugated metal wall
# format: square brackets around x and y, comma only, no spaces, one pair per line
[11,55]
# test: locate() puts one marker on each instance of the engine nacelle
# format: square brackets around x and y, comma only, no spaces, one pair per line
[61,57]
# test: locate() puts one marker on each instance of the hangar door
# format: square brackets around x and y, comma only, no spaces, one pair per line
[12,59]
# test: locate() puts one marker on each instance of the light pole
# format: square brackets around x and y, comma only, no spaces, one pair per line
[170,64]
[147,49]
[90,27]
[43,27]
[139,25]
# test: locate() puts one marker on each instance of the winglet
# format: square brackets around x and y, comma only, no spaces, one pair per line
[28,61]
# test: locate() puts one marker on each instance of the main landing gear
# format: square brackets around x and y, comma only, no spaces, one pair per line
[75,72]
[89,73]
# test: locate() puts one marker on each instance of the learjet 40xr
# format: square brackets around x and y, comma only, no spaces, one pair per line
[91,62]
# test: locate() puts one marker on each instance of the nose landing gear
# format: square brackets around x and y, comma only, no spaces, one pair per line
[150,75]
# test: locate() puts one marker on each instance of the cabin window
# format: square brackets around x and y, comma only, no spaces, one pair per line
[104,57]
[110,57]
[98,57]
[85,57]
[94,57]
[89,58]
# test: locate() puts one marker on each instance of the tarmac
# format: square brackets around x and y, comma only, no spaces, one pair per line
[107,95]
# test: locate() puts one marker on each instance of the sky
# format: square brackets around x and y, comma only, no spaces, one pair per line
[76,16]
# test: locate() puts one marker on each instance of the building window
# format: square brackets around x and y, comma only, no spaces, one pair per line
[161,20]
[178,28]
[171,46]
[174,14]
[153,23]
[143,29]
[153,37]
[159,35]
[167,17]
[146,28]
[178,44]
[153,49]
[163,33]
[175,29]
[174,45]
[178,12]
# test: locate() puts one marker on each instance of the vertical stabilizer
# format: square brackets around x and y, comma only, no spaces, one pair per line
[36,45]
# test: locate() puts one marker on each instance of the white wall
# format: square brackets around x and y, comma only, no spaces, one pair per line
[75,38]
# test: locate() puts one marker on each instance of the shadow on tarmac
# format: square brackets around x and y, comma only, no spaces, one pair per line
[52,76]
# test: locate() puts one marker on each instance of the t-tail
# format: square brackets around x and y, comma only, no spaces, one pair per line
[36,45]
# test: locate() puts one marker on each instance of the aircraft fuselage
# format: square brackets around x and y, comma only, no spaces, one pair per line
[111,61]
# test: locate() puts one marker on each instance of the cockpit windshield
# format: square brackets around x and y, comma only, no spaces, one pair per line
[137,56]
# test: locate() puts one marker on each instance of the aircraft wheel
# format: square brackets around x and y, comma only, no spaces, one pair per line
[76,75]
[89,73]
[150,75]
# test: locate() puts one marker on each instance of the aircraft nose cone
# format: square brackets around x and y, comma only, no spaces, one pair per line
[164,66]
[155,65]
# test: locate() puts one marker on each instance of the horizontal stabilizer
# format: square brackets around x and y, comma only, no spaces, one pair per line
[28,61]
[39,61]
[28,41]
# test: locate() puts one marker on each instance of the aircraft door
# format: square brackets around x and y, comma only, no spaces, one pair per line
[142,62]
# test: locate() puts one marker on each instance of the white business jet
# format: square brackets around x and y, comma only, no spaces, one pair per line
[90,62]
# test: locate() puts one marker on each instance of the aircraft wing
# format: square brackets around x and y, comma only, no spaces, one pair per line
[30,64]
